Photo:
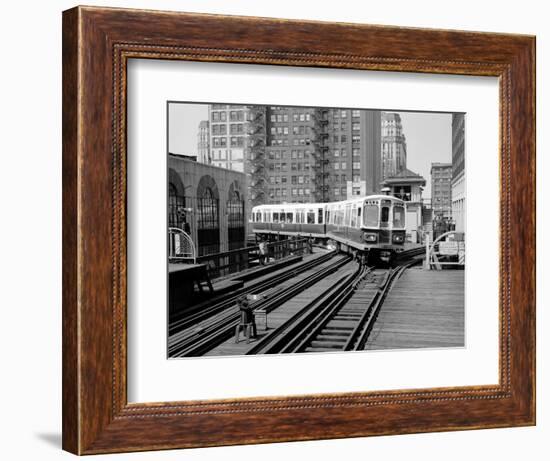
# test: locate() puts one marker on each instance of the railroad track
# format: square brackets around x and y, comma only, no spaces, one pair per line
[204,311]
[217,328]
[339,319]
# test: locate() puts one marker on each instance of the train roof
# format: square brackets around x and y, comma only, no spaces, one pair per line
[294,206]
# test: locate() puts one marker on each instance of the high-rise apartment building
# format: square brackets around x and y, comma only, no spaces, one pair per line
[203,143]
[458,181]
[322,154]
[394,146]
[441,174]
[290,158]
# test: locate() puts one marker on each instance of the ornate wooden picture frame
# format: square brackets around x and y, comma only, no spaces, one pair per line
[97,44]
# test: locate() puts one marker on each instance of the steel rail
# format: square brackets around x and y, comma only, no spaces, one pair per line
[213,334]
[229,300]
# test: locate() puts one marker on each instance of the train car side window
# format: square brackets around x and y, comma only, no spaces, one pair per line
[320,216]
[311,217]
[275,217]
[289,218]
[353,217]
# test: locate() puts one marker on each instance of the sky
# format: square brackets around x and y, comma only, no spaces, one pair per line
[183,127]
[428,136]
[429,139]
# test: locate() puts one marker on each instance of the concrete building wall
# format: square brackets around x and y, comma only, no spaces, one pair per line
[458,182]
[190,174]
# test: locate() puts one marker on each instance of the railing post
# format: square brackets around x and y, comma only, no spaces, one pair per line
[427,259]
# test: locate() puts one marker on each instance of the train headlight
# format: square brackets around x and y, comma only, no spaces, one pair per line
[372,238]
[397,238]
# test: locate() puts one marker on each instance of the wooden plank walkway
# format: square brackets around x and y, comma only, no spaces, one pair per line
[423,309]
[282,313]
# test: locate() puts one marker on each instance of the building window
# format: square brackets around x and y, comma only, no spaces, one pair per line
[356,165]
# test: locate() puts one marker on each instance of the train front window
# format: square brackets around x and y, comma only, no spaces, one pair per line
[371,215]
[398,216]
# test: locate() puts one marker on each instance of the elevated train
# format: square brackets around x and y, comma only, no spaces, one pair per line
[374,225]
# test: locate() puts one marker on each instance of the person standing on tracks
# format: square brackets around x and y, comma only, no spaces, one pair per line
[263,256]
[247,315]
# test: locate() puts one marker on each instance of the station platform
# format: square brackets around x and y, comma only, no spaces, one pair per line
[423,309]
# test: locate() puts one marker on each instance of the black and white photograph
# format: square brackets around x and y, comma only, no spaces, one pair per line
[298,229]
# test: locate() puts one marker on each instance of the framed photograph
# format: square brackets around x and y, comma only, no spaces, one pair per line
[281,230]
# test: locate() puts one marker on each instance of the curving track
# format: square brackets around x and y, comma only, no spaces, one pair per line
[206,329]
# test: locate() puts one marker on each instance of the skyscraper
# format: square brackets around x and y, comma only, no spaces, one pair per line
[394,146]
[441,190]
[203,143]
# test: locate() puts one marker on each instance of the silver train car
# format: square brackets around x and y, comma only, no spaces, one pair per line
[374,224]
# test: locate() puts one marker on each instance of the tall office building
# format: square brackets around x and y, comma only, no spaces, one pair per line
[228,132]
[203,143]
[458,181]
[394,146]
[441,174]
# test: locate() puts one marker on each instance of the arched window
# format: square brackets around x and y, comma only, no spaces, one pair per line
[176,209]
[208,216]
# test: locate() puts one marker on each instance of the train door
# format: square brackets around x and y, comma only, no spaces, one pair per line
[385,234]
